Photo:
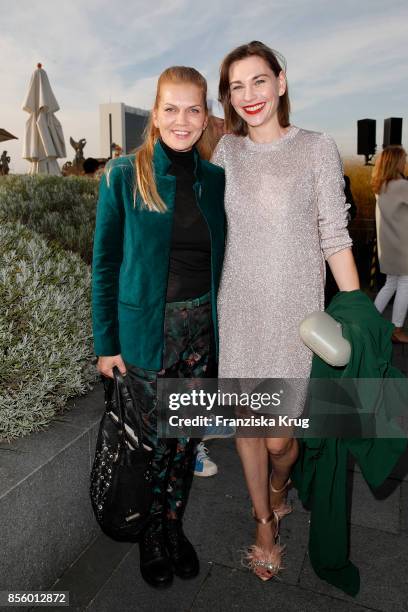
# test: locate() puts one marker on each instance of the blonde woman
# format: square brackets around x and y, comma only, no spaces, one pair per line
[286,213]
[391,189]
[158,253]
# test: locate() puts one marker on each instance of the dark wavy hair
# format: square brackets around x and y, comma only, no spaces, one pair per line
[276,62]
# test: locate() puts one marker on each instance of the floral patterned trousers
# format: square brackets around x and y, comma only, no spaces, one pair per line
[188,352]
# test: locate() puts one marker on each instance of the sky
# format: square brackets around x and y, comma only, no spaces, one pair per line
[345,60]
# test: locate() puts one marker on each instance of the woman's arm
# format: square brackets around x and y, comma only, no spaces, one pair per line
[107,258]
[331,200]
[335,240]
[344,270]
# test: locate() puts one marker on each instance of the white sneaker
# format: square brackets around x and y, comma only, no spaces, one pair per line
[203,465]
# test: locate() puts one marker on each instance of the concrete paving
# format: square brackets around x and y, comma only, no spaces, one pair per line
[106,577]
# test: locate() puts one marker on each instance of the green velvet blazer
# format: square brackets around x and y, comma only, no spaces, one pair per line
[131,257]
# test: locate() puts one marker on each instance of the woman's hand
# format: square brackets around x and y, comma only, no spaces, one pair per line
[106,364]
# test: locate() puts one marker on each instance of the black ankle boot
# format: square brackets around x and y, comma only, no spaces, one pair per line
[155,565]
[181,551]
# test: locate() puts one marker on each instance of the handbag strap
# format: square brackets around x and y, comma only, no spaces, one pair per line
[123,400]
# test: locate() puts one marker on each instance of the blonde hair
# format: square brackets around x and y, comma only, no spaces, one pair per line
[145,178]
[387,167]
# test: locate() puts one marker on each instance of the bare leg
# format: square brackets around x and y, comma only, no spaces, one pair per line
[255,462]
[254,457]
[283,453]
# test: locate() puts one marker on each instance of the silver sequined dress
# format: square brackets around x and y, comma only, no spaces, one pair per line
[286,212]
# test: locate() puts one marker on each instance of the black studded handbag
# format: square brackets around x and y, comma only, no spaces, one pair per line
[121,479]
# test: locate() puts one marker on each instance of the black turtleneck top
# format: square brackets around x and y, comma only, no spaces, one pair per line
[190,251]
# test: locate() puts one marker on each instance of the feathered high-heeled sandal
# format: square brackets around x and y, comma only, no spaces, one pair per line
[265,564]
[284,508]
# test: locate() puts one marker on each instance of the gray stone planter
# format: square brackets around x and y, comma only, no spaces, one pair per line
[46,519]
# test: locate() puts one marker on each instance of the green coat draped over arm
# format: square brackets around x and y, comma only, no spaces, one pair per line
[320,474]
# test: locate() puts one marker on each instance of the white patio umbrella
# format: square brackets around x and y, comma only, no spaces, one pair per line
[44,139]
[5,135]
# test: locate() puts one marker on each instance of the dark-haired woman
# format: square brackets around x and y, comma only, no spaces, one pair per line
[286,213]
[158,252]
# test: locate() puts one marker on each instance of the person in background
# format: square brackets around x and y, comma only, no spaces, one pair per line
[216,121]
[391,191]
[204,465]
[352,211]
[158,253]
[117,151]
[90,166]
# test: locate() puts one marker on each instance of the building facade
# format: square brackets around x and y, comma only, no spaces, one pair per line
[121,125]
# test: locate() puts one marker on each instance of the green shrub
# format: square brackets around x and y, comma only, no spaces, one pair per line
[59,208]
[45,330]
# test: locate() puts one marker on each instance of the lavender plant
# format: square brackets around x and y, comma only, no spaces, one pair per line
[45,330]
[60,209]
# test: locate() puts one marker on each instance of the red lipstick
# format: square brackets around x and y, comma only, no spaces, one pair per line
[254,109]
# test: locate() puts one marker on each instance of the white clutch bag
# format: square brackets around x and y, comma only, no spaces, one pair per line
[322,334]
